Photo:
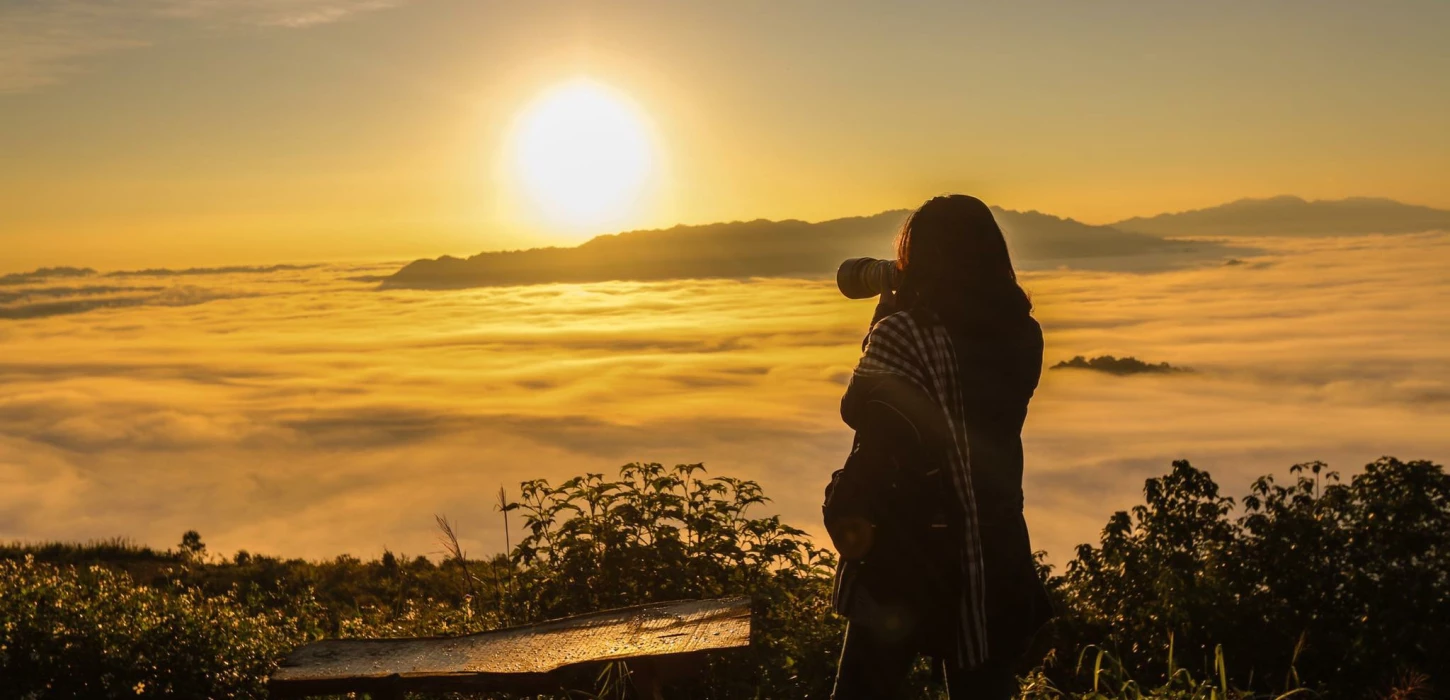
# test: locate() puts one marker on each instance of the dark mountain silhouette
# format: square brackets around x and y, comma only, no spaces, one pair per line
[763,248]
[1292,216]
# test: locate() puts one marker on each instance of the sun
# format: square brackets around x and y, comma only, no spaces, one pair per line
[583,155]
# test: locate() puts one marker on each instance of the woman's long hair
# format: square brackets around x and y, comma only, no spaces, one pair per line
[954,261]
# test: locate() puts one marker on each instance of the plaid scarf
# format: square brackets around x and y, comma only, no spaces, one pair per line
[919,349]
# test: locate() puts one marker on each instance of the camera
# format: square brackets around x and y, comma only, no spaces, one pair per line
[862,278]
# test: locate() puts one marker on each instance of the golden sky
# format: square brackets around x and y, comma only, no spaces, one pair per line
[304,411]
[191,132]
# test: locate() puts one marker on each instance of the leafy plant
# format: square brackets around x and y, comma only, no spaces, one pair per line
[1315,586]
[658,534]
[1346,584]
[67,632]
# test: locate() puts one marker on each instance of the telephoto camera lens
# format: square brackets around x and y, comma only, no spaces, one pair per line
[863,278]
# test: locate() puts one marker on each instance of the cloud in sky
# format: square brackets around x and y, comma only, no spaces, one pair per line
[43,41]
[305,413]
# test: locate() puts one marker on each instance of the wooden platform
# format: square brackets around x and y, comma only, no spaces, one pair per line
[655,638]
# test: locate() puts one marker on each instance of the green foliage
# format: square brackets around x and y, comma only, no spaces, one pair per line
[117,551]
[355,597]
[1344,584]
[658,534]
[1158,573]
[191,545]
[67,632]
[1315,587]
[1104,677]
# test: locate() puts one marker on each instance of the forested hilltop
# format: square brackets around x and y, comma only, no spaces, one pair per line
[1307,583]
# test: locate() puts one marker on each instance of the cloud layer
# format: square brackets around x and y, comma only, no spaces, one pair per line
[304,412]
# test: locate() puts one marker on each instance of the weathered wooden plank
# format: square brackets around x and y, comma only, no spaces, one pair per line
[526,653]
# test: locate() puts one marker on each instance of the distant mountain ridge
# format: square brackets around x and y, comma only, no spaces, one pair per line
[764,248]
[1294,216]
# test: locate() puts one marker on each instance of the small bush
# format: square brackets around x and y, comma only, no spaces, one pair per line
[1344,587]
[67,632]
[658,534]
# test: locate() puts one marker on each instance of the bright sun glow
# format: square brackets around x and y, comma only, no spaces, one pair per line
[583,155]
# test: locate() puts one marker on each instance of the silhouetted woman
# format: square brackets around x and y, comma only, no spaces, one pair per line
[927,511]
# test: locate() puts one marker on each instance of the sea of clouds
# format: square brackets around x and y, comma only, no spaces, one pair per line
[301,411]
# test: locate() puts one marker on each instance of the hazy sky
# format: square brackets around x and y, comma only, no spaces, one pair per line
[228,131]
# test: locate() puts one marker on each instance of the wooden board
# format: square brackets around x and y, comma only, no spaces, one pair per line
[524,653]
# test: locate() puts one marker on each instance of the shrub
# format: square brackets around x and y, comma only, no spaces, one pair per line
[1347,585]
[658,534]
[68,632]
[1342,588]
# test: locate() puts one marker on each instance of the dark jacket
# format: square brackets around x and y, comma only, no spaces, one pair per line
[894,480]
